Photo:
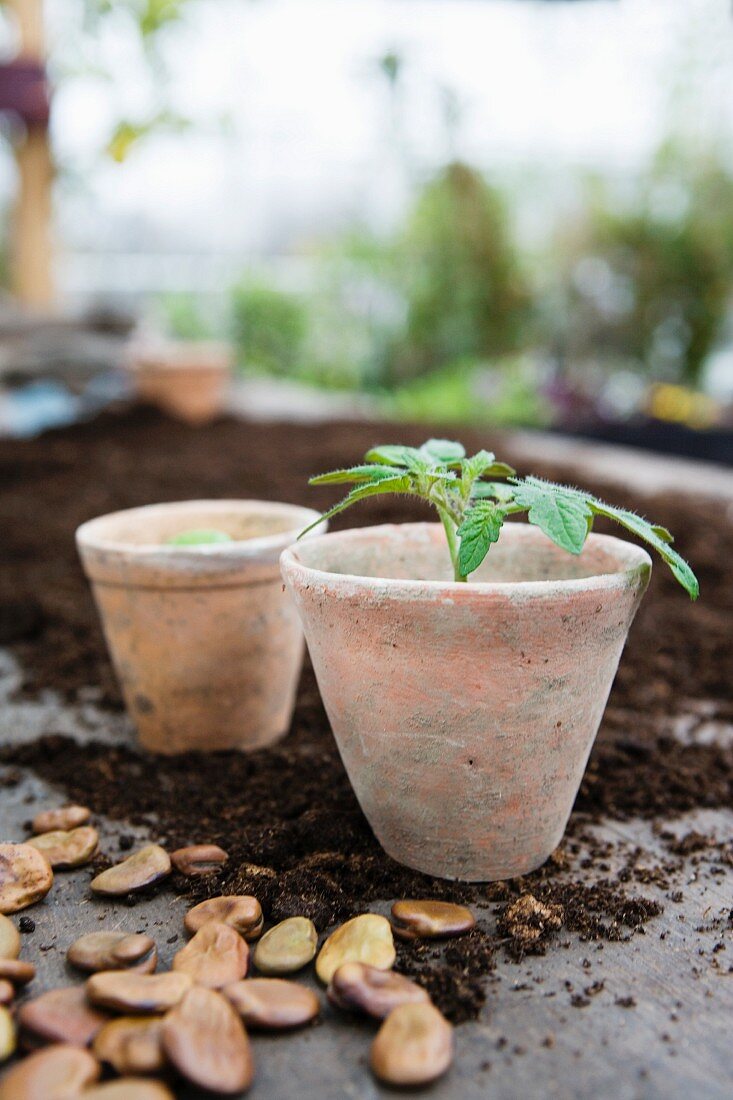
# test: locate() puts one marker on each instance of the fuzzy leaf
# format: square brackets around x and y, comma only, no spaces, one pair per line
[354,473]
[492,490]
[443,450]
[394,455]
[657,537]
[398,484]
[564,515]
[481,526]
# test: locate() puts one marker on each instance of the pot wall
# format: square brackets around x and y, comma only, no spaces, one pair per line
[206,645]
[465,713]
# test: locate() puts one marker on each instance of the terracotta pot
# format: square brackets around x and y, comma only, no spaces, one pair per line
[205,642]
[465,713]
[187,380]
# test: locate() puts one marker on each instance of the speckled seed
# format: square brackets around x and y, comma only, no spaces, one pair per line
[65,850]
[61,1016]
[58,1072]
[9,939]
[414,1046]
[7,992]
[216,956]
[8,1037]
[273,1003]
[243,912]
[65,817]
[17,971]
[366,939]
[205,1040]
[413,920]
[361,988]
[137,993]
[287,947]
[25,877]
[131,1045]
[199,859]
[113,951]
[129,1088]
[139,870]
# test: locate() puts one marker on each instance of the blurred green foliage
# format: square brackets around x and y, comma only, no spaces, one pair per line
[269,328]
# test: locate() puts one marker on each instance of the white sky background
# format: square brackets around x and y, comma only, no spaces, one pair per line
[292,133]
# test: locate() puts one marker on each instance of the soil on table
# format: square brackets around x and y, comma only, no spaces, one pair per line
[296,836]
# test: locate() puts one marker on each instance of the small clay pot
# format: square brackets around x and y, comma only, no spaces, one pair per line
[189,380]
[465,713]
[205,642]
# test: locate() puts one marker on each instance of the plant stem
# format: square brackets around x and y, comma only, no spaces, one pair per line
[453,545]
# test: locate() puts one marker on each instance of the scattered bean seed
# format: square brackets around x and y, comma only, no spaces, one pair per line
[61,1016]
[367,938]
[137,993]
[216,956]
[17,971]
[243,912]
[131,1045]
[8,1036]
[199,859]
[58,1072]
[65,817]
[25,877]
[142,869]
[273,1003]
[414,1046]
[205,1040]
[355,986]
[9,939]
[113,951]
[129,1088]
[414,920]
[66,850]
[7,992]
[287,947]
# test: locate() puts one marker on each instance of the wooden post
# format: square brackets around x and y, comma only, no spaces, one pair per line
[31,245]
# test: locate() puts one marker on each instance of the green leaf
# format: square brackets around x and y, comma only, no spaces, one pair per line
[493,490]
[657,537]
[354,473]
[398,484]
[394,455]
[564,515]
[199,537]
[481,526]
[443,450]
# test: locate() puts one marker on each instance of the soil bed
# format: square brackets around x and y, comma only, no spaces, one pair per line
[296,836]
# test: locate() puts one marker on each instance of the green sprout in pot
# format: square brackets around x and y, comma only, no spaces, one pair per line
[474,495]
[202,537]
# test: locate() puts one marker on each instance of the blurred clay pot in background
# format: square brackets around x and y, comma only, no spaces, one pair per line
[206,644]
[465,713]
[189,380]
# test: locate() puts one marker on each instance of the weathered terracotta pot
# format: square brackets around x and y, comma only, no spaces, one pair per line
[205,642]
[465,713]
[187,380]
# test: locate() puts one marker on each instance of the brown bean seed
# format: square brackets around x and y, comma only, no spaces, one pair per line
[216,956]
[61,1016]
[131,1045]
[414,920]
[137,993]
[113,951]
[142,869]
[243,912]
[287,947]
[8,1036]
[367,939]
[273,1003]
[58,1072]
[355,986]
[129,1088]
[25,877]
[17,971]
[7,992]
[9,939]
[199,859]
[205,1040]
[414,1046]
[66,850]
[65,817]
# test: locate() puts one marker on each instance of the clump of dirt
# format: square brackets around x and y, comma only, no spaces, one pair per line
[529,924]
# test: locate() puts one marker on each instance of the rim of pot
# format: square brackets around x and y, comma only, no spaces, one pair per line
[90,535]
[633,562]
[183,355]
